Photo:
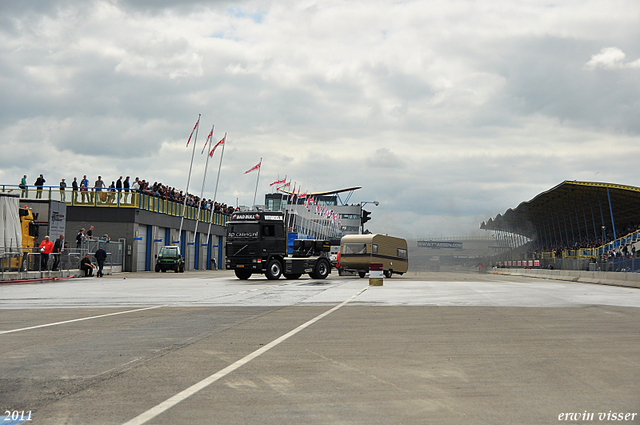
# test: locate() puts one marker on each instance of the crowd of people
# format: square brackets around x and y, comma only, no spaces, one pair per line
[49,249]
[627,250]
[120,190]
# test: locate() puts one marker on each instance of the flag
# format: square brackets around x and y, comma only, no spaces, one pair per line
[194,129]
[278,182]
[209,137]
[255,167]
[283,186]
[221,142]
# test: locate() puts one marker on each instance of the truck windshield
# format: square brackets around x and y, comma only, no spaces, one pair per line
[243,231]
[169,252]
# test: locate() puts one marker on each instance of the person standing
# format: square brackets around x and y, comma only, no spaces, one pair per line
[74,185]
[101,256]
[90,233]
[119,187]
[84,188]
[24,192]
[80,238]
[46,247]
[40,181]
[98,186]
[111,196]
[63,186]
[135,187]
[58,247]
[125,186]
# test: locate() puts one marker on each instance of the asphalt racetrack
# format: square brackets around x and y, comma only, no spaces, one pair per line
[206,348]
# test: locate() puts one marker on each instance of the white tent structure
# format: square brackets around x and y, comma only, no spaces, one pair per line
[10,232]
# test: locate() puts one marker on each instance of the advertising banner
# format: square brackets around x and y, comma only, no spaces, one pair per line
[439,244]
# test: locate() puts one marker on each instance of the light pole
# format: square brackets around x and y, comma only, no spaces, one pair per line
[364,215]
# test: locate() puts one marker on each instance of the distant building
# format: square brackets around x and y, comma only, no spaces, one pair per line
[318,214]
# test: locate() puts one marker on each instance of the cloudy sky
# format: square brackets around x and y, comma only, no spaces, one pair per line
[447,113]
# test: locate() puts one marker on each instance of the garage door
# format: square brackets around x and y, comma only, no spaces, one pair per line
[141,250]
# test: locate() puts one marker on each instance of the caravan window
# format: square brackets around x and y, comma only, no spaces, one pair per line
[354,248]
[402,253]
[374,248]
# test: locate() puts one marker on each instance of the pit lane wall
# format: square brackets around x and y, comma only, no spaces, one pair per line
[627,279]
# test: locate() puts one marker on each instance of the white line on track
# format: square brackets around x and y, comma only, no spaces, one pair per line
[183,395]
[80,319]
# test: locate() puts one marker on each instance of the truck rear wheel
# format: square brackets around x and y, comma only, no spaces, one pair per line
[243,274]
[274,270]
[321,270]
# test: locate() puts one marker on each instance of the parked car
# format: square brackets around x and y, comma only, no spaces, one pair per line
[169,258]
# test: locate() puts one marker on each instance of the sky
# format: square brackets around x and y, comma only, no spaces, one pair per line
[446,113]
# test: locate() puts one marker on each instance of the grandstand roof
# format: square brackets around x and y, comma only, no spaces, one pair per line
[572,208]
[328,192]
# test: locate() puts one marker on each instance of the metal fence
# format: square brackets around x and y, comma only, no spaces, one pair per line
[615,256]
[32,260]
[612,264]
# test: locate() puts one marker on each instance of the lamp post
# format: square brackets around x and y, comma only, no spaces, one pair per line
[364,215]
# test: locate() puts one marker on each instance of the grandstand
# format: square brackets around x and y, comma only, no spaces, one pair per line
[573,226]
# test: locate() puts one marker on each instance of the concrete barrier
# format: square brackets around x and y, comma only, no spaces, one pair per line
[627,279]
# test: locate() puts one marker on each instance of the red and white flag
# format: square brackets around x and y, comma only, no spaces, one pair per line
[209,137]
[221,142]
[194,129]
[255,167]
[278,182]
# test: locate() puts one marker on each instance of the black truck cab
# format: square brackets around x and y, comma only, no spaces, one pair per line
[257,243]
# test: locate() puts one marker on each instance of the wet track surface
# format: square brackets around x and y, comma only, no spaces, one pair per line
[205,348]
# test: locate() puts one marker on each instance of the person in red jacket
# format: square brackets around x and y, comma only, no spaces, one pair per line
[46,247]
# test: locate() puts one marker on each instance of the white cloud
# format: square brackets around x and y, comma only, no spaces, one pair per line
[611,58]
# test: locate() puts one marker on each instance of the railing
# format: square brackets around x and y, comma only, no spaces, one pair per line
[591,259]
[30,259]
[114,199]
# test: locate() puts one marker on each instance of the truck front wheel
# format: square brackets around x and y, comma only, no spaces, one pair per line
[243,274]
[274,270]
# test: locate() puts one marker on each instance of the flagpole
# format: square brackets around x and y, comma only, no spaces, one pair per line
[186,191]
[204,177]
[215,193]
[257,180]
[293,208]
